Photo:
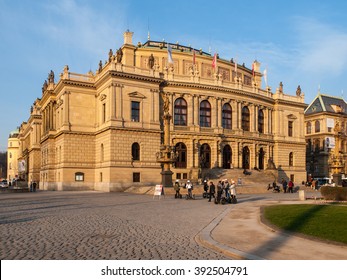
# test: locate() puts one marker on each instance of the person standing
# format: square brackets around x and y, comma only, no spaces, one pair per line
[233,190]
[212,191]
[177,189]
[290,186]
[189,187]
[284,185]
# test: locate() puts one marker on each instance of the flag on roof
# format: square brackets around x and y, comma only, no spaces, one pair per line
[214,61]
[265,76]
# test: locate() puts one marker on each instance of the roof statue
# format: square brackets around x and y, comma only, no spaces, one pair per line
[44,86]
[298,91]
[110,54]
[151,61]
[119,55]
[281,87]
[51,77]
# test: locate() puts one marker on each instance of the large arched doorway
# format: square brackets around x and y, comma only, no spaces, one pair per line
[181,151]
[227,153]
[205,156]
[245,158]
[261,159]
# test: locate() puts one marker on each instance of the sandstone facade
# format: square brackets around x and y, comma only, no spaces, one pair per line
[103,130]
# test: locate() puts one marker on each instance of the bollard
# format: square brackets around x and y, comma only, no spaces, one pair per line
[301,195]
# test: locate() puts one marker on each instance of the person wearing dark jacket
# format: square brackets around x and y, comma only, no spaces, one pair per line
[211,191]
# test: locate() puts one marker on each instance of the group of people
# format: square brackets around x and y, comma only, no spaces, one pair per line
[222,186]
[210,189]
[286,186]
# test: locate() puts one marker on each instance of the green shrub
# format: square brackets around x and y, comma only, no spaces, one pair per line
[334,193]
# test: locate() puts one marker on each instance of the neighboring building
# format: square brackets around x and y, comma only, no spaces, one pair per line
[12,155]
[103,130]
[29,155]
[322,117]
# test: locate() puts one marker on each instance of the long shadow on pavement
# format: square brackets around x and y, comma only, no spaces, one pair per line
[285,236]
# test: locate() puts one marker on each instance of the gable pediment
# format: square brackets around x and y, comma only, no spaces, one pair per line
[136,94]
[291,117]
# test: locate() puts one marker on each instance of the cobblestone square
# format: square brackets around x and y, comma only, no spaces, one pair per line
[95,225]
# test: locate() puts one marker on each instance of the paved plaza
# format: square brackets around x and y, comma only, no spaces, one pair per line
[95,225]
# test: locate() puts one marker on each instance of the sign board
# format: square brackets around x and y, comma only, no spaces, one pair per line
[330,122]
[330,142]
[21,166]
[158,190]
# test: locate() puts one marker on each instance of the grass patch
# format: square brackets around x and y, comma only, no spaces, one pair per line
[327,222]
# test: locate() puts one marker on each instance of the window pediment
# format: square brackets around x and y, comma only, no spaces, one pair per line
[291,117]
[136,94]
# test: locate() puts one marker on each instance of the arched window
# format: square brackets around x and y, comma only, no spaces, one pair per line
[226,116]
[291,159]
[135,151]
[205,114]
[245,119]
[317,126]
[180,112]
[181,151]
[205,156]
[308,128]
[260,121]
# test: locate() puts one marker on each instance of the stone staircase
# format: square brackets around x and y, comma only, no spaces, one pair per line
[256,182]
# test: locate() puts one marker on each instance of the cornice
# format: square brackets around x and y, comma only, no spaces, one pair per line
[251,95]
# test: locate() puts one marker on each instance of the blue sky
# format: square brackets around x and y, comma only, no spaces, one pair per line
[298,42]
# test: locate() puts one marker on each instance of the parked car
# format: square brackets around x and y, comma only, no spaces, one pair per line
[325,182]
[4,184]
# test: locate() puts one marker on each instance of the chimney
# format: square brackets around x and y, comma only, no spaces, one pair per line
[128,37]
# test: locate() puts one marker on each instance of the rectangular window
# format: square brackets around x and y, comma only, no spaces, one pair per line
[136,177]
[79,176]
[100,176]
[103,112]
[247,80]
[178,175]
[290,128]
[135,111]
[185,175]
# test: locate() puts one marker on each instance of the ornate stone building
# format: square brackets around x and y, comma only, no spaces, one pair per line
[103,130]
[325,133]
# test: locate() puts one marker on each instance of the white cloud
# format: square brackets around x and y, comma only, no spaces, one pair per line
[323,48]
[84,27]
